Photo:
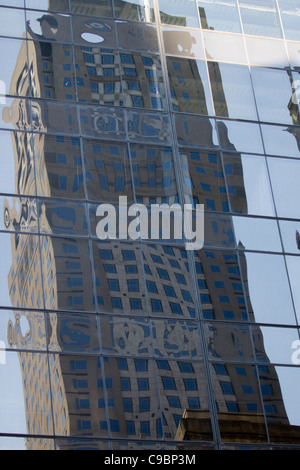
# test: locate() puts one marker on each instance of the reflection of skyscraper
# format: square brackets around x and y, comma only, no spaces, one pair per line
[127,353]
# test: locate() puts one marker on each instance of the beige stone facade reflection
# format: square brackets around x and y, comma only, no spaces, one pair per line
[137,360]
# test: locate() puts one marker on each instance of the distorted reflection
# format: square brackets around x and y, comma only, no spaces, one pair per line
[281,141]
[153,174]
[140,10]
[182,42]
[257,234]
[117,343]
[232,91]
[107,123]
[203,178]
[107,170]
[248,184]
[189,86]
[48,27]
[137,37]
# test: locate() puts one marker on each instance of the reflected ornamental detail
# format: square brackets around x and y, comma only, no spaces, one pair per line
[141,342]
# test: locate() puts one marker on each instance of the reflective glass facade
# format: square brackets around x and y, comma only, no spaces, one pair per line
[143,344]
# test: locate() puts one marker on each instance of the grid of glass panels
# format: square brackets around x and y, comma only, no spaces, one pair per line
[118,344]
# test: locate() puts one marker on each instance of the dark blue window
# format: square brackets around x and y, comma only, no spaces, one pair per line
[145,428]
[135,304]
[190,384]
[227,388]
[130,428]
[116,302]
[143,384]
[114,425]
[125,384]
[141,365]
[127,403]
[174,402]
[144,404]
[168,383]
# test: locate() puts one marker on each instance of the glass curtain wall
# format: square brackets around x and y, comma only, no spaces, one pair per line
[142,343]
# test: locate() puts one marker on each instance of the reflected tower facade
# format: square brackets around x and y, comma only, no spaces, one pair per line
[143,344]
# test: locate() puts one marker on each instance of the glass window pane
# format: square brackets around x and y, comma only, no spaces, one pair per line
[19,415]
[281,141]
[203,179]
[50,27]
[57,5]
[263,21]
[17,286]
[70,333]
[108,123]
[176,339]
[237,338]
[91,31]
[189,86]
[290,238]
[67,259]
[277,344]
[111,287]
[285,183]
[224,47]
[183,42]
[55,117]
[290,18]
[286,413]
[19,214]
[240,136]
[59,166]
[275,102]
[142,81]
[10,166]
[107,170]
[196,131]
[98,76]
[137,36]
[269,289]
[94,7]
[149,127]
[140,10]
[11,52]
[24,330]
[240,396]
[219,15]
[294,53]
[293,266]
[248,184]
[179,13]
[257,234]
[9,17]
[63,217]
[267,52]
[128,336]
[153,174]
[232,91]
